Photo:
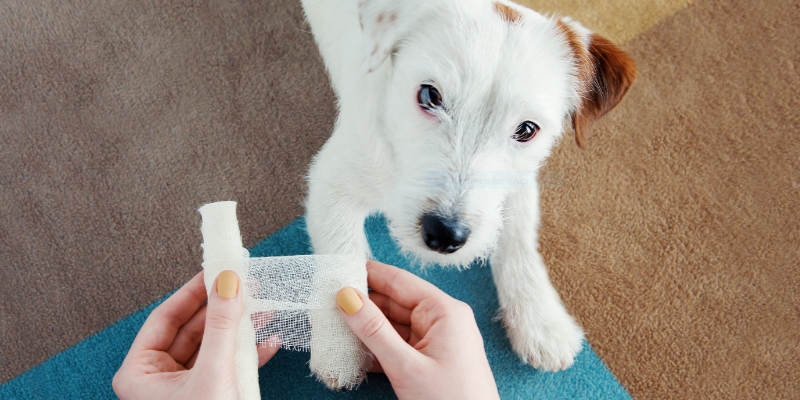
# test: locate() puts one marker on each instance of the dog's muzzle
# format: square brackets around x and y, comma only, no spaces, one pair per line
[444,235]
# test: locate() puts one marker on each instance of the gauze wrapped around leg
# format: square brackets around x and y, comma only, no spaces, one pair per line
[291,298]
[300,292]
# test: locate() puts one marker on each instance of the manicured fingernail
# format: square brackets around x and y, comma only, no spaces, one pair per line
[227,284]
[348,299]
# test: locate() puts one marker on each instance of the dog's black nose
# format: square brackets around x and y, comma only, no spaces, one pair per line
[445,235]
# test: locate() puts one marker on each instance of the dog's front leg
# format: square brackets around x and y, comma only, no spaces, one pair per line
[337,205]
[540,329]
[335,211]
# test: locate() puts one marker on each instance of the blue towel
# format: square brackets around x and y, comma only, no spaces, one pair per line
[85,370]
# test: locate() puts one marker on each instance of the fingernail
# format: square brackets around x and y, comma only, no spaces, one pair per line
[348,299]
[227,284]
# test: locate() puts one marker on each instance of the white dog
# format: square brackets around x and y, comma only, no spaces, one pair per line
[447,108]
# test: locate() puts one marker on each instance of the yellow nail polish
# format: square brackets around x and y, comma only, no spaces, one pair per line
[227,284]
[348,299]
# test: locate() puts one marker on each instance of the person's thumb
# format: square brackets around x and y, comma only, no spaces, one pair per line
[223,313]
[367,321]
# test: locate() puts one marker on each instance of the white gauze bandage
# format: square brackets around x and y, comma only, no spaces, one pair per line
[291,298]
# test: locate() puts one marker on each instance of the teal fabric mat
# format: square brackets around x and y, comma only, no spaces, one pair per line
[85,370]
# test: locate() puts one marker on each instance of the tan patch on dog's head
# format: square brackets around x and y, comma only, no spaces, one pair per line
[507,13]
[583,64]
[604,74]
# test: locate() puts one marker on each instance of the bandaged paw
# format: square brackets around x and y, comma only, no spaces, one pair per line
[292,299]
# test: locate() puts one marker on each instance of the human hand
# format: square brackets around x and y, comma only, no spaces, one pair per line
[427,342]
[186,347]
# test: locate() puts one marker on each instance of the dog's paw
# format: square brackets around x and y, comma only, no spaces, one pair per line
[338,381]
[340,370]
[547,342]
[333,383]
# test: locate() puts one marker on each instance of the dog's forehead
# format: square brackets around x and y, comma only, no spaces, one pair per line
[480,50]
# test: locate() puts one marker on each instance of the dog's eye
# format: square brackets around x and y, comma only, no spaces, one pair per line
[525,131]
[429,98]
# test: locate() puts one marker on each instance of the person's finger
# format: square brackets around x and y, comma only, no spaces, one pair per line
[265,350]
[160,328]
[187,340]
[427,302]
[405,288]
[193,359]
[367,321]
[399,317]
[403,330]
[390,308]
[376,367]
[223,314]
[268,349]
[413,339]
[132,381]
[265,353]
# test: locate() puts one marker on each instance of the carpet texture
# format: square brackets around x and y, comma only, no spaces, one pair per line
[673,237]
[86,370]
[617,20]
[118,119]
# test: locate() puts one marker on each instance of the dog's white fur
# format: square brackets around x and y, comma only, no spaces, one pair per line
[493,73]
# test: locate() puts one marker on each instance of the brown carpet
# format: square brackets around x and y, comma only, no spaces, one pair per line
[673,237]
[117,120]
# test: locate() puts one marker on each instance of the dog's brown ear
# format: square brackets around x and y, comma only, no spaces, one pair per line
[605,73]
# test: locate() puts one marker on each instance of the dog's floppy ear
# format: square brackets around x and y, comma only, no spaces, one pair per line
[604,72]
[382,23]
